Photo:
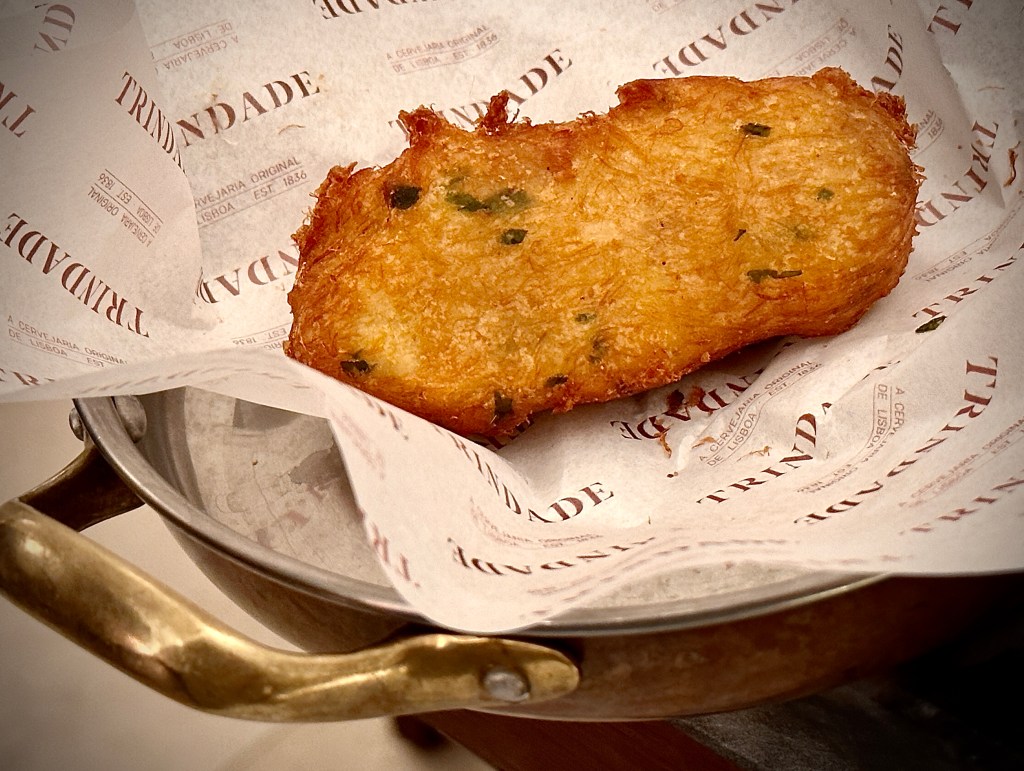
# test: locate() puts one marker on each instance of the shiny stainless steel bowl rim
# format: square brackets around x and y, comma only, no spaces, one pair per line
[105,427]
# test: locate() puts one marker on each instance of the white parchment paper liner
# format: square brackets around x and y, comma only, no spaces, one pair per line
[157,161]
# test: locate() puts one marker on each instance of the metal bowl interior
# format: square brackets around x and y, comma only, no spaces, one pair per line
[268,489]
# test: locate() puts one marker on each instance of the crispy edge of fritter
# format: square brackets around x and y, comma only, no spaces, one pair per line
[349,203]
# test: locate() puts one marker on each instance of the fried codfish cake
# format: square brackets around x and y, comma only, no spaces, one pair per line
[485,276]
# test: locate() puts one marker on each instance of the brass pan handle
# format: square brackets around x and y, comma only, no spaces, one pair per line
[138,625]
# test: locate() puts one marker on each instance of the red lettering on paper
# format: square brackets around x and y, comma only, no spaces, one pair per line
[490,568]
[396,563]
[23,378]
[535,79]
[973,181]
[60,17]
[804,444]
[31,244]
[146,114]
[13,110]
[944,17]
[893,64]
[946,304]
[337,9]
[679,406]
[259,272]
[973,407]
[997,493]
[222,116]
[696,52]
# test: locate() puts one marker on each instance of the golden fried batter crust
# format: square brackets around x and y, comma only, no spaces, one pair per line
[485,276]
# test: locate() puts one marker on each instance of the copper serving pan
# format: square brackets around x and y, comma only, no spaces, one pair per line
[259,500]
